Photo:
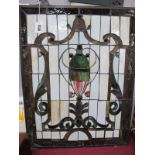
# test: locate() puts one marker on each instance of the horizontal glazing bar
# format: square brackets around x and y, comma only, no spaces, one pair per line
[90,73]
[125,100]
[48,45]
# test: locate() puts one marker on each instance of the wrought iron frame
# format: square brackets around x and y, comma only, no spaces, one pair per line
[30,99]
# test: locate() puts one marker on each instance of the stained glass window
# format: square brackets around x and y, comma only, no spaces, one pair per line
[77,90]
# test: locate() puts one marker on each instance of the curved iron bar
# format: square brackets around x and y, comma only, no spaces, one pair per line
[112,123]
[45,82]
[78,122]
[39,40]
[41,89]
[67,135]
[61,124]
[95,62]
[114,107]
[78,68]
[116,91]
[78,110]
[112,80]
[60,67]
[41,108]
[105,41]
[61,57]
[58,42]
[64,65]
[78,26]
[94,124]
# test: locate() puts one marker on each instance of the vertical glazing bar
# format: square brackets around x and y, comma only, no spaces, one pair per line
[31,95]
[78,43]
[68,75]
[120,33]
[109,81]
[98,76]
[58,70]
[49,63]
[117,71]
[42,61]
[37,20]
[89,61]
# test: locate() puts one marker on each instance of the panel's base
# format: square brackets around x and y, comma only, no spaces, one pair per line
[47,143]
[107,150]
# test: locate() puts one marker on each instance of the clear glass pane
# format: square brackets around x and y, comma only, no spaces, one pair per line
[38,122]
[35,82]
[52,25]
[64,94]
[95,27]
[74,40]
[104,59]
[34,57]
[87,20]
[62,26]
[124,28]
[101,115]
[64,55]
[39,135]
[114,27]
[122,60]
[41,64]
[82,136]
[55,135]
[109,134]
[118,121]
[55,112]
[73,136]
[116,133]
[64,109]
[100,134]
[93,108]
[121,81]
[31,35]
[105,26]
[42,19]
[54,81]
[46,135]
[94,87]
[53,59]
[94,58]
[104,78]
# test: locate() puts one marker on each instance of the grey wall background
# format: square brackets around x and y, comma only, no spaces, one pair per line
[127,3]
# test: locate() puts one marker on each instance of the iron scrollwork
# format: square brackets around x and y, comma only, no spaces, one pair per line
[78,109]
